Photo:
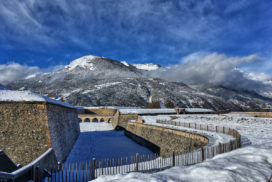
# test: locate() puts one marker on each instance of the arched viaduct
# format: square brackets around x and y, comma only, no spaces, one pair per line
[95,118]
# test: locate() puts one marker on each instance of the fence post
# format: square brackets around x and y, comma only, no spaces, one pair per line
[219,148]
[33,174]
[137,162]
[202,154]
[189,125]
[207,127]
[102,167]
[93,172]
[37,174]
[174,159]
[240,143]
[216,129]
[59,166]
[231,145]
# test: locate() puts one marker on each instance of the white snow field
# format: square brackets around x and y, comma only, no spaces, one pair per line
[252,162]
[93,142]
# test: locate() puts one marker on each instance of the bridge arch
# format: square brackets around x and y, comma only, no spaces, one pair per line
[87,120]
[95,120]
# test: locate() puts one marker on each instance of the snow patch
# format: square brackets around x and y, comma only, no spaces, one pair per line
[30,76]
[125,63]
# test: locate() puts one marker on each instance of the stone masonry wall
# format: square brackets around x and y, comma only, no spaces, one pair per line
[64,129]
[168,140]
[24,132]
[122,120]
[103,111]
[28,129]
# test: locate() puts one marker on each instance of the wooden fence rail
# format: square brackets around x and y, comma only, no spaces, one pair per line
[88,170]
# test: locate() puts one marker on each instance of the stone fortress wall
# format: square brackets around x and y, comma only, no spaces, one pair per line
[28,129]
[158,139]
[64,129]
[256,114]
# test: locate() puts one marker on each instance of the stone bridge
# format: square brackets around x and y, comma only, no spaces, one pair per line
[95,118]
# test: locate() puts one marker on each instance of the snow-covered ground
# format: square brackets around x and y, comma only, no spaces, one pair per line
[93,142]
[86,127]
[252,162]
[214,138]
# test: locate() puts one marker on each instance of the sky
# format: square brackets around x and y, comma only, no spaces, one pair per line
[44,34]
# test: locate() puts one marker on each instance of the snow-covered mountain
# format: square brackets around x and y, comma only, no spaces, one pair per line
[98,81]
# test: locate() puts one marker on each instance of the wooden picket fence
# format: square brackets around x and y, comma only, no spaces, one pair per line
[88,170]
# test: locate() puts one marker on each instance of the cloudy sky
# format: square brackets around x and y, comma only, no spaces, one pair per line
[42,34]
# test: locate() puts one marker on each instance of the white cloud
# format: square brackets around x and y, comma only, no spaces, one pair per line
[14,71]
[193,57]
[263,77]
[213,69]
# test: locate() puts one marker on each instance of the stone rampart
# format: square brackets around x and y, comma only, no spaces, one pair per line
[28,129]
[158,139]
[101,111]
[168,140]
[256,114]
[64,129]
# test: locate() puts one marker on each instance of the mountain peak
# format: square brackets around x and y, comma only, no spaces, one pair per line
[85,62]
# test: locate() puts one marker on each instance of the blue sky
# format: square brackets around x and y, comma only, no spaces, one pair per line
[49,33]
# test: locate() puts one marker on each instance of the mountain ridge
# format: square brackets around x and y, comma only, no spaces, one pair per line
[98,81]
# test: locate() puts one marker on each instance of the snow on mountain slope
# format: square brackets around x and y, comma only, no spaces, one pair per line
[83,62]
[125,63]
[147,67]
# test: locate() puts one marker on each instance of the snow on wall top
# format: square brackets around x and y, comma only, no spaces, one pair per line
[27,96]
[192,110]
[147,111]
[83,62]
[108,107]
